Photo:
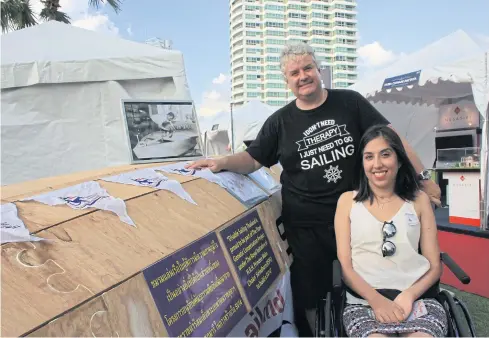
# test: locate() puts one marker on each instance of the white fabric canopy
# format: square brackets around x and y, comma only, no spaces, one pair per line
[453,67]
[61,97]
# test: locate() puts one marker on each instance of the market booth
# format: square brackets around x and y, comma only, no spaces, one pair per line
[190,254]
[62,98]
[441,106]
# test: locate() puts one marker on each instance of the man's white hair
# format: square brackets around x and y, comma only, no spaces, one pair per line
[294,50]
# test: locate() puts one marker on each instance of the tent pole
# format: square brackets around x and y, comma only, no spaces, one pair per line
[485,146]
[485,171]
[205,144]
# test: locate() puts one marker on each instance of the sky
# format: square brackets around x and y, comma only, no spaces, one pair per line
[387,30]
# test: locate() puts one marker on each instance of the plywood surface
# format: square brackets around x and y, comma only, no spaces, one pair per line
[127,310]
[93,252]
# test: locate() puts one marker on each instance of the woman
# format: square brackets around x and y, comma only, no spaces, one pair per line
[379,228]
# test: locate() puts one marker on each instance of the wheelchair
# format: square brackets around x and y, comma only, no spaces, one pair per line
[329,312]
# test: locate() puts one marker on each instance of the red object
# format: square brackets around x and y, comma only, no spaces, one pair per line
[471,253]
[475,222]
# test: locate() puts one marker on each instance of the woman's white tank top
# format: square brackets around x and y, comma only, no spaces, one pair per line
[398,271]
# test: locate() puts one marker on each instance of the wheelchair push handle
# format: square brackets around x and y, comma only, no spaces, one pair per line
[337,275]
[457,270]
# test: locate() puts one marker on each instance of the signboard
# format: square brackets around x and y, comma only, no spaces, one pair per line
[195,292]
[402,80]
[252,255]
[463,197]
[463,115]
[275,311]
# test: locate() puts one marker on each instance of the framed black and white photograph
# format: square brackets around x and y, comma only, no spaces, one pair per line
[165,130]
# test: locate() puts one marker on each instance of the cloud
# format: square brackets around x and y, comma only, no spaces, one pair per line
[374,55]
[220,79]
[216,98]
[212,95]
[129,30]
[97,22]
[83,16]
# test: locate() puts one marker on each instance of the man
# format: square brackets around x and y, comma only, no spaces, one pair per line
[314,138]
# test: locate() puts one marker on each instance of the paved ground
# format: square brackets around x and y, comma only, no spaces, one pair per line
[478,307]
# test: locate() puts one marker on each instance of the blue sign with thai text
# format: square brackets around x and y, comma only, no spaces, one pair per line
[402,80]
[194,291]
[252,255]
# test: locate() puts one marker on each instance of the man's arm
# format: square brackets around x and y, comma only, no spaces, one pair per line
[241,163]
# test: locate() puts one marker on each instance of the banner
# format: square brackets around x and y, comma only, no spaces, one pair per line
[273,312]
[240,186]
[85,195]
[402,80]
[12,227]
[150,178]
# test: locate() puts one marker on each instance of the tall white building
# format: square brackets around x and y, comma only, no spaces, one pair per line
[260,28]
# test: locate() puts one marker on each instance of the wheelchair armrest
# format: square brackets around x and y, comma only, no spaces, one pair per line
[453,267]
[337,279]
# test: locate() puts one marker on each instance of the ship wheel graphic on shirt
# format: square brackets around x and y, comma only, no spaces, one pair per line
[333,174]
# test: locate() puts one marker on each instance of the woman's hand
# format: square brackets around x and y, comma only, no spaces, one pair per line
[405,300]
[387,311]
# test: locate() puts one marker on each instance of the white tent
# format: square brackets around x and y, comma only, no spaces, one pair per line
[247,121]
[454,67]
[61,97]
[214,130]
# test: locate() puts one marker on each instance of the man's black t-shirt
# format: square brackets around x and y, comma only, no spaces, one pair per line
[317,150]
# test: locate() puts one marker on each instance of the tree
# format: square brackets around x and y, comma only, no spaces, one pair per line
[17,14]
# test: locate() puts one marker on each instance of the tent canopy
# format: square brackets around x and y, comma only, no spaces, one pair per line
[61,53]
[61,100]
[453,67]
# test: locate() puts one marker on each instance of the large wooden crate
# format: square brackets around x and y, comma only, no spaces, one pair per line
[88,280]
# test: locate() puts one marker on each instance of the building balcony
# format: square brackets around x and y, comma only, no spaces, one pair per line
[235,14]
[235,38]
[353,20]
[237,91]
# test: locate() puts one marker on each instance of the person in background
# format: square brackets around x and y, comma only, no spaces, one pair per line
[380,227]
[314,137]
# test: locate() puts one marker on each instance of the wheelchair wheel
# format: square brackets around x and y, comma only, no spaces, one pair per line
[459,320]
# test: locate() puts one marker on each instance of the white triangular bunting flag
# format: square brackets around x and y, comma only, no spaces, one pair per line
[86,195]
[179,169]
[150,178]
[12,227]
